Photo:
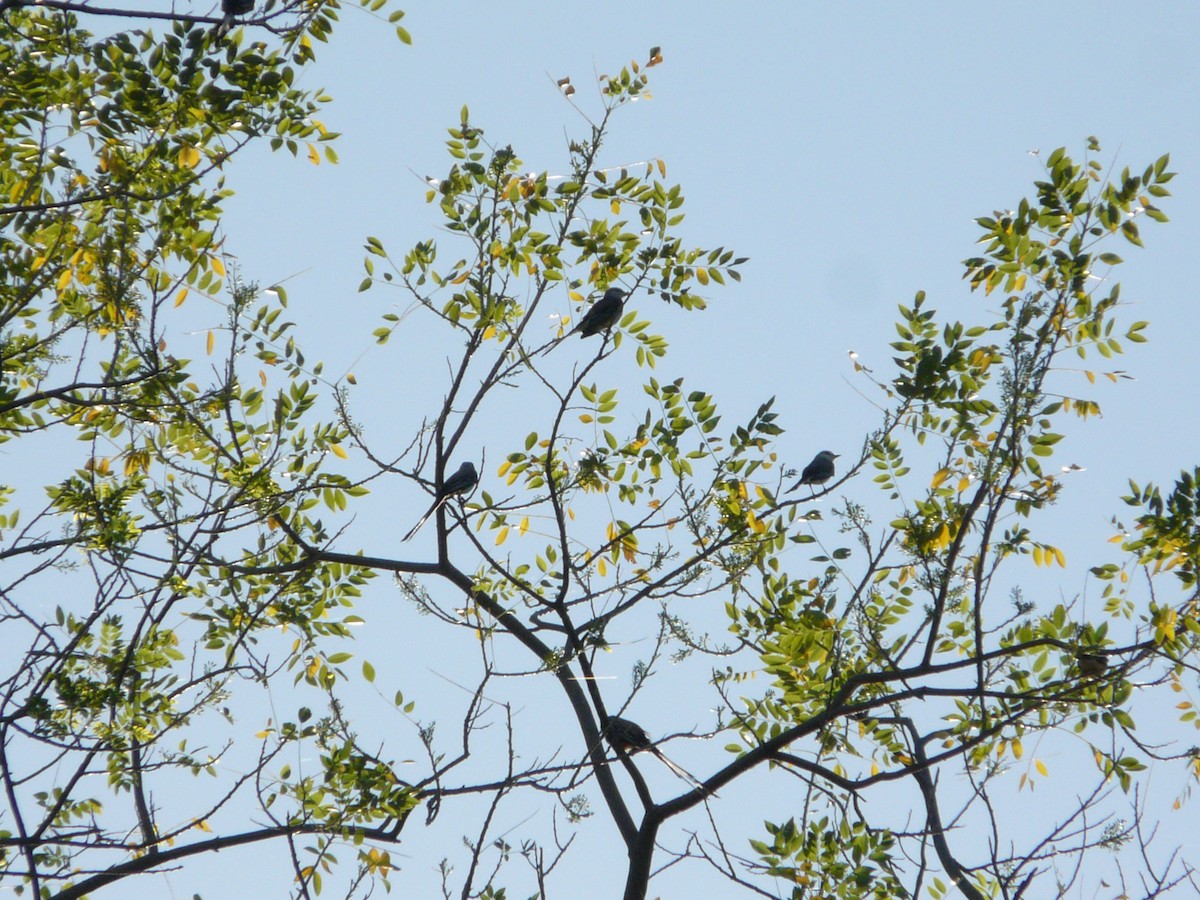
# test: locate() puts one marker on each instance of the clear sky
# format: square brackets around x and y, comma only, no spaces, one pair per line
[845,147]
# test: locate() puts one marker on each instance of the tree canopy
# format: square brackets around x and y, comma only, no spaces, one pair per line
[180,591]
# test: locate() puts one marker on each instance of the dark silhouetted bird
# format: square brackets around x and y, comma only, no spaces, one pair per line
[461,482]
[630,737]
[233,8]
[818,471]
[1091,665]
[603,314]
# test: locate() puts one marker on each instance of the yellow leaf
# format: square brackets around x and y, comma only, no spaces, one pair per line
[943,537]
[188,157]
[181,297]
[65,278]
[585,418]
[204,826]
[338,451]
[212,342]
[1060,557]
[601,568]
[939,477]
[262,376]
[217,265]
[137,461]
[489,332]
[350,378]
[1016,748]
[702,274]
[502,536]
[1041,767]
[616,207]
[1037,556]
[313,156]
[524,526]
[662,168]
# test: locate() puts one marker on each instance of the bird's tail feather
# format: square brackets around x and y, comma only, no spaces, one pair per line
[425,518]
[682,772]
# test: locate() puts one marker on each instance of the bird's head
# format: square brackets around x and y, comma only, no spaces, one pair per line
[614,293]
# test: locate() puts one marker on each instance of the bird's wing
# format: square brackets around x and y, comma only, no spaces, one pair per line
[586,323]
[460,482]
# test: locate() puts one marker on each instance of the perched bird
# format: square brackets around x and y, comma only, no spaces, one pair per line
[603,314]
[461,482]
[1091,665]
[818,471]
[629,737]
[232,9]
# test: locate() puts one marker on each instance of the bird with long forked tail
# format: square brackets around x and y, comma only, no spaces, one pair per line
[625,737]
[461,482]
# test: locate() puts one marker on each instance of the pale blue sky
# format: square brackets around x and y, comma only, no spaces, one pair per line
[845,148]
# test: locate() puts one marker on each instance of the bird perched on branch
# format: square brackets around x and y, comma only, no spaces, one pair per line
[1091,665]
[603,314]
[461,482]
[628,737]
[818,471]
[232,9]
